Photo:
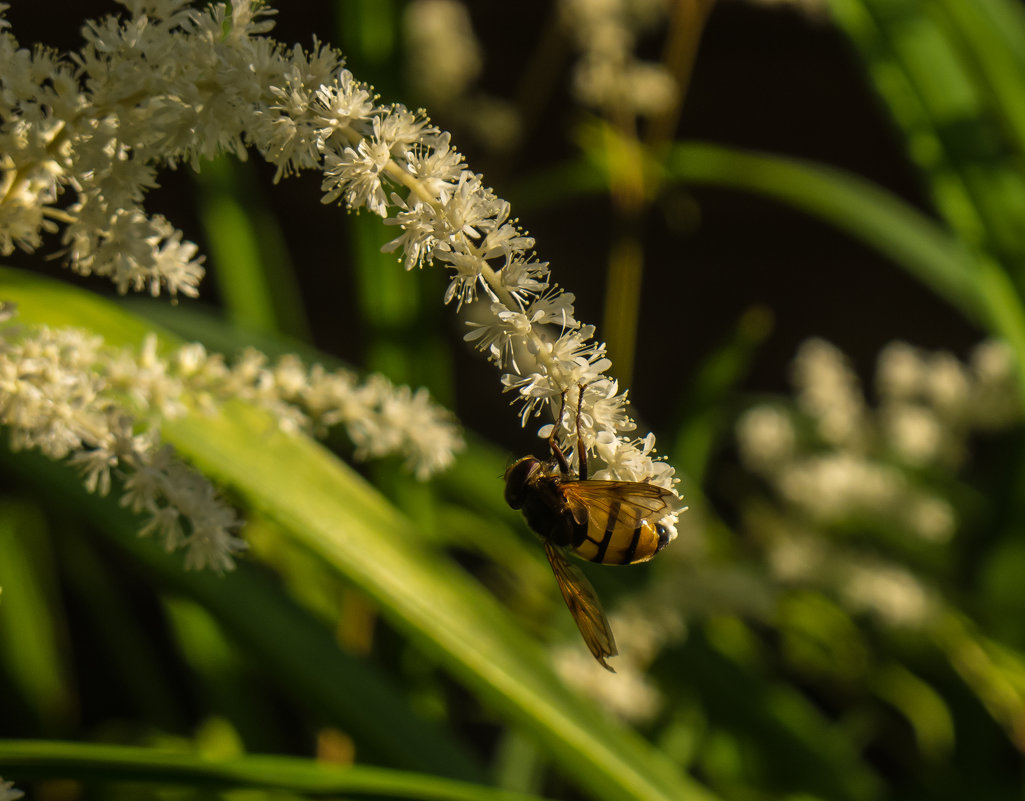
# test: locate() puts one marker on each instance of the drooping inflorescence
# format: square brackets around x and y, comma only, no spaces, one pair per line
[170,84]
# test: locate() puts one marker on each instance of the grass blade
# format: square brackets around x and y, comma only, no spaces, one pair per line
[24,759]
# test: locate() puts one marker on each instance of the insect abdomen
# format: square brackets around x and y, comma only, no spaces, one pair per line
[612,540]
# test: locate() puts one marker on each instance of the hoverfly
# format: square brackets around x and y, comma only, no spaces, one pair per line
[611,522]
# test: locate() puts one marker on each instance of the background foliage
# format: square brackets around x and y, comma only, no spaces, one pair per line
[854,172]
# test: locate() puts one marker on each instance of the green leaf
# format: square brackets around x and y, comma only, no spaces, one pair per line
[950,74]
[23,759]
[270,630]
[33,650]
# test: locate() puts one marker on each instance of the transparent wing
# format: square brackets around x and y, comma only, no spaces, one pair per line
[639,502]
[584,605]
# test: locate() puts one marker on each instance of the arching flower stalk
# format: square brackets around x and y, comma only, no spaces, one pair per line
[171,84]
[399,166]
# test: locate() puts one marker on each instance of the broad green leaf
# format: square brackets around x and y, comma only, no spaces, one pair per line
[268,628]
[951,75]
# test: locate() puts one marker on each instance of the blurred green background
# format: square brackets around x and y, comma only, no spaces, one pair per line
[840,618]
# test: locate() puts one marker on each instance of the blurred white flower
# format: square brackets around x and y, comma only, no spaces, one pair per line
[829,391]
[629,694]
[8,792]
[914,432]
[766,437]
[900,373]
[608,75]
[443,55]
[874,472]
[887,591]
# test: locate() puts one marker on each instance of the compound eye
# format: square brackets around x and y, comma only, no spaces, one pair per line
[517,479]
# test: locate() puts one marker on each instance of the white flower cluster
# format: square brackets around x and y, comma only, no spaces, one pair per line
[929,404]
[380,418]
[608,75]
[69,395]
[54,398]
[443,55]
[171,84]
[864,582]
[833,459]
[103,144]
[8,791]
[444,59]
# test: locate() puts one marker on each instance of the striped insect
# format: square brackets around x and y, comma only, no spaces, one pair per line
[610,522]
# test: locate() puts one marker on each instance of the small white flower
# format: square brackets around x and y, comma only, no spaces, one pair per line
[498,335]
[626,460]
[535,390]
[437,167]
[418,241]
[96,466]
[829,391]
[467,210]
[554,307]
[893,594]
[467,279]
[523,279]
[339,105]
[401,129]
[915,432]
[947,384]
[579,357]
[900,372]
[606,408]
[355,176]
[444,56]
[504,238]
[8,792]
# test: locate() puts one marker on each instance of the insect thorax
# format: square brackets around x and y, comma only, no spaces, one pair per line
[547,514]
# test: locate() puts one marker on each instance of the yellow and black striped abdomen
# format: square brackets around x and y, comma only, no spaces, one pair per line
[617,536]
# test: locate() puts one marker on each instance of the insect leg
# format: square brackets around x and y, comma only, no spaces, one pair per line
[560,457]
[581,450]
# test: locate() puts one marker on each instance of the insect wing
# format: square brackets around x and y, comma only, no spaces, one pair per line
[584,605]
[645,502]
